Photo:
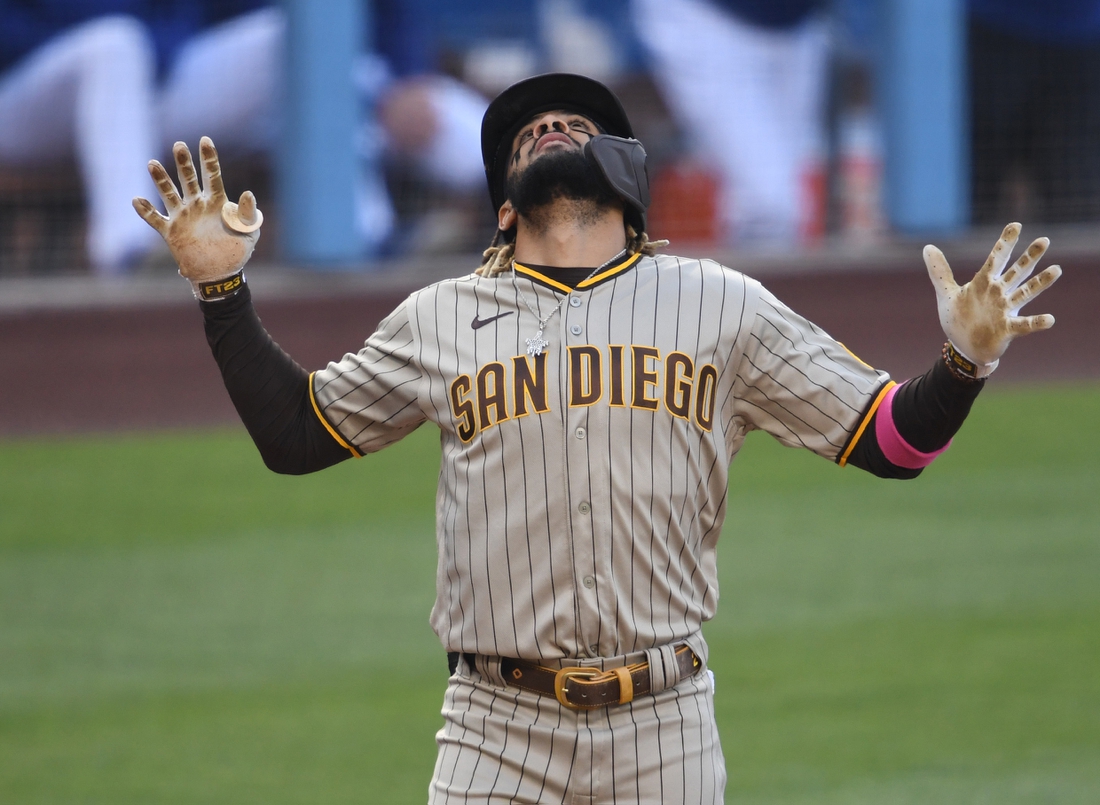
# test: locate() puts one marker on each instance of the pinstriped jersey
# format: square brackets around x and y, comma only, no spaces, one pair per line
[582,490]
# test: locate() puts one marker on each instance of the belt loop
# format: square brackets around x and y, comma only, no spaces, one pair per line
[489,668]
[672,668]
[663,672]
[656,669]
[699,646]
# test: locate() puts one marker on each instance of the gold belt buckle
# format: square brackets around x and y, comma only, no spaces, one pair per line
[563,676]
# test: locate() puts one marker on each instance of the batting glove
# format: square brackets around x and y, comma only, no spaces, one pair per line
[210,237]
[981,317]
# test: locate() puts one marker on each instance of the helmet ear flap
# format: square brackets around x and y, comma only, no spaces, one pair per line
[621,161]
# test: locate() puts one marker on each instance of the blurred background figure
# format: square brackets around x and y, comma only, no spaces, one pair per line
[422,132]
[80,84]
[1035,110]
[420,129]
[223,81]
[746,81]
[99,87]
[77,81]
[760,116]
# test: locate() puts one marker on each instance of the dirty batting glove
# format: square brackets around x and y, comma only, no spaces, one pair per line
[210,237]
[981,317]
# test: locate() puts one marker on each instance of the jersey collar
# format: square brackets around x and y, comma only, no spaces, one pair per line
[544,274]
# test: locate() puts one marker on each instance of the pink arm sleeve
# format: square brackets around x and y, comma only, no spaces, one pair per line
[893,445]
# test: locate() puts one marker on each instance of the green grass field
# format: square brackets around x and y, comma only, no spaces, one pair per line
[178,625]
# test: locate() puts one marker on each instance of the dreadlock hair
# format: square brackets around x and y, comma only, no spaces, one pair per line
[498,258]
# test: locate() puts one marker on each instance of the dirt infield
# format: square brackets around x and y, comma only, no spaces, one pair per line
[71,371]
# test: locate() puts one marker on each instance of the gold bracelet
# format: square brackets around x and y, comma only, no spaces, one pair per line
[959,365]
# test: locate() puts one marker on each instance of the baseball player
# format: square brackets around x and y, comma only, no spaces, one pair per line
[590,394]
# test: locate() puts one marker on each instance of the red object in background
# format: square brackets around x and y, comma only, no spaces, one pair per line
[684,207]
[813,203]
[860,176]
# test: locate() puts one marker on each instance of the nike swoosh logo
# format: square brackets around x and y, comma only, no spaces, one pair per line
[477,323]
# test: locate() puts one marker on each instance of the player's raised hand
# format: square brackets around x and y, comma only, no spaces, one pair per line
[210,237]
[981,317]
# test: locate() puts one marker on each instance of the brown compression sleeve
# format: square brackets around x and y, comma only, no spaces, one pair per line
[269,390]
[928,411]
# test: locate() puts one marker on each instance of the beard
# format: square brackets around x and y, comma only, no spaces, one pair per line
[560,176]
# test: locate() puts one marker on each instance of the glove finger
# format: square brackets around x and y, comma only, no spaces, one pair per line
[246,207]
[1002,251]
[211,171]
[1023,325]
[185,167]
[151,215]
[1033,287]
[939,271]
[165,186]
[1023,267]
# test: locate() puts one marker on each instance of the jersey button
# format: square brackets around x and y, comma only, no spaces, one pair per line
[584,508]
[581,433]
[574,301]
[589,582]
[576,329]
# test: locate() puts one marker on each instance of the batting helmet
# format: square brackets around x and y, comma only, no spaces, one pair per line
[620,158]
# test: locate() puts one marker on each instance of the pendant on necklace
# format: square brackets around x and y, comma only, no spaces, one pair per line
[536,345]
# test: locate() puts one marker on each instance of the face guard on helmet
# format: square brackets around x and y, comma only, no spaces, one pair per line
[619,158]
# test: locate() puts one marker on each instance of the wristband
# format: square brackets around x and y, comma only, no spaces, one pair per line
[964,368]
[213,290]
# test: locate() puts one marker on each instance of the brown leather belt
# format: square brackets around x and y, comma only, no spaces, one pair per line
[591,688]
